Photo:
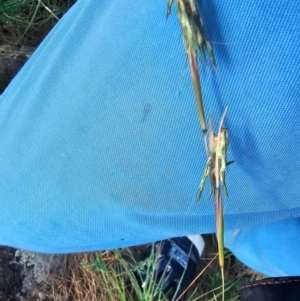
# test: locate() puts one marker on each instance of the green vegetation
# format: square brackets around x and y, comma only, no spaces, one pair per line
[26,22]
[112,276]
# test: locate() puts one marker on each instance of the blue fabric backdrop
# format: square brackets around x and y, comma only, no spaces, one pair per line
[101,145]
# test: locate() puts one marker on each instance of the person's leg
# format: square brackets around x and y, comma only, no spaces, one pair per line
[272,249]
[100,138]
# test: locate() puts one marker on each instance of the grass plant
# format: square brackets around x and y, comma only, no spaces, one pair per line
[24,21]
[112,276]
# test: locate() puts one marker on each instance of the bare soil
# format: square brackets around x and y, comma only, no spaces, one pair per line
[10,275]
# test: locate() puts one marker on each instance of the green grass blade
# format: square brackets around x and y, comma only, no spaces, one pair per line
[220,235]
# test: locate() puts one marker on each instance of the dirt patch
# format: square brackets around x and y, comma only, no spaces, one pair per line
[10,275]
[12,58]
[24,275]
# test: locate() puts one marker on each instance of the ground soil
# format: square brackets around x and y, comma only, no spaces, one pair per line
[10,274]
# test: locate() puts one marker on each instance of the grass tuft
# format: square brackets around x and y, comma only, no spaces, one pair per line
[111,276]
[26,22]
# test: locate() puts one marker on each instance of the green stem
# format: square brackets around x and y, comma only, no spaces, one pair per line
[198,93]
[220,235]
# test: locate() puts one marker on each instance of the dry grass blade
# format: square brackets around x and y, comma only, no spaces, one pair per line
[196,278]
[79,281]
[49,10]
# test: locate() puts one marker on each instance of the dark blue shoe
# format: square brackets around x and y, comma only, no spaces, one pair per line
[171,265]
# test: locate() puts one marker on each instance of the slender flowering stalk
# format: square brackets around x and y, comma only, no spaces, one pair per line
[222,137]
[194,39]
[215,168]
